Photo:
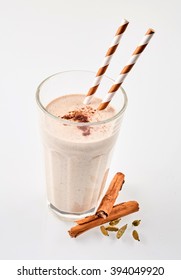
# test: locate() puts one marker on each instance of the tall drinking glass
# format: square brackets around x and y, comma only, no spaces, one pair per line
[77,164]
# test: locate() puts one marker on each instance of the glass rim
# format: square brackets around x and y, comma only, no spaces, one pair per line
[68,122]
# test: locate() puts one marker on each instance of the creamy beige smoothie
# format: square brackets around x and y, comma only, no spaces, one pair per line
[78,140]
[77,157]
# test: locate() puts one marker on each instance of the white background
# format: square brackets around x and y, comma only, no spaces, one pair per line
[42,37]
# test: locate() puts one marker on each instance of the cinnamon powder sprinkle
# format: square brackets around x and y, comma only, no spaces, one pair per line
[76,116]
[85,129]
[82,115]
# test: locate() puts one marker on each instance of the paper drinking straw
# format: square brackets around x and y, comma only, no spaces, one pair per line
[131,62]
[106,61]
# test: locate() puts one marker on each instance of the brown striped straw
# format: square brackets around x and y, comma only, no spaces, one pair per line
[131,62]
[106,61]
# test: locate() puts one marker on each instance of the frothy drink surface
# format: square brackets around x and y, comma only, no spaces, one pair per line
[78,155]
[66,104]
[71,108]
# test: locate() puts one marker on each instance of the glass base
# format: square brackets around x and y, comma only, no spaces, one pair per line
[66,216]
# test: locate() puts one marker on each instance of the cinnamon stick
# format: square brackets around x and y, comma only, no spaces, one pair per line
[108,200]
[117,212]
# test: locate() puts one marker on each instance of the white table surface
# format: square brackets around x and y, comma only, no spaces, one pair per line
[39,38]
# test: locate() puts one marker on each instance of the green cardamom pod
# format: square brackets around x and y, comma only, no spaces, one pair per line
[136,223]
[121,231]
[115,222]
[104,230]
[135,235]
[109,228]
